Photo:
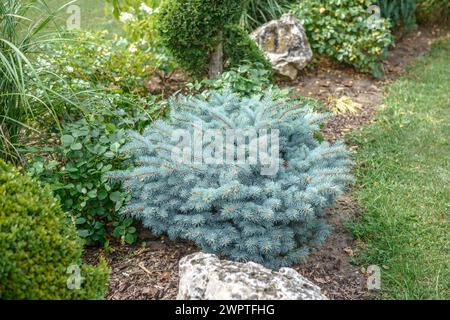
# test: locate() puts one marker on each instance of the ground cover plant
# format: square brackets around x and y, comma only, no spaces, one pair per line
[403,172]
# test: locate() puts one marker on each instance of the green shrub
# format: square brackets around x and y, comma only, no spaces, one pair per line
[401,13]
[433,11]
[74,168]
[38,245]
[249,79]
[192,30]
[139,19]
[239,47]
[100,59]
[345,31]
[98,89]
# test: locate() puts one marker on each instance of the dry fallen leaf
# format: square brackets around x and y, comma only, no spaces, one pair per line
[345,104]
[349,251]
[320,280]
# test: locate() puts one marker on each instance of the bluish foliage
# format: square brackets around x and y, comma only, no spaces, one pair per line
[232,209]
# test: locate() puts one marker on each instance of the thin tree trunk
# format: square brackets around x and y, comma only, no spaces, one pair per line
[216,63]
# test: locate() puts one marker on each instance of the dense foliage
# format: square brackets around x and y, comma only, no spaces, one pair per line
[346,31]
[99,60]
[232,209]
[246,80]
[433,11]
[401,13]
[97,99]
[38,245]
[192,30]
[142,12]
[74,168]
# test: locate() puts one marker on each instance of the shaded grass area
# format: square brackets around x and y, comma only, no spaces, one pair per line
[95,15]
[404,183]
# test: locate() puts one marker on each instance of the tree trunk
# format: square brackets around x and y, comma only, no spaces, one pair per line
[216,63]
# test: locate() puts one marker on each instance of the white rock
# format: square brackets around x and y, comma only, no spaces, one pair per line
[285,44]
[205,277]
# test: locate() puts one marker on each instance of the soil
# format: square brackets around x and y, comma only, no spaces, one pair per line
[150,271]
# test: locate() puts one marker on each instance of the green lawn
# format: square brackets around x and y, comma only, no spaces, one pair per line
[95,14]
[404,183]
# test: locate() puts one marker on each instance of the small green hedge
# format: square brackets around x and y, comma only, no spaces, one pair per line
[191,30]
[38,245]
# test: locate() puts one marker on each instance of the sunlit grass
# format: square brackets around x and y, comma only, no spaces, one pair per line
[404,183]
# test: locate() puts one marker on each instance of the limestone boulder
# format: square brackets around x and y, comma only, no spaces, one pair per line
[285,44]
[206,277]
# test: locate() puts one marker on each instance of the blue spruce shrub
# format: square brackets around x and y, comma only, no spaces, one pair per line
[232,209]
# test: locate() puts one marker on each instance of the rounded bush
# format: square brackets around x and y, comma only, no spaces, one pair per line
[235,208]
[191,30]
[239,49]
[40,251]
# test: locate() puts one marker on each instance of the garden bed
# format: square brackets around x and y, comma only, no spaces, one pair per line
[150,270]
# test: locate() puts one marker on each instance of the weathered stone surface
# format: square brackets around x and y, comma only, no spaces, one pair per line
[205,277]
[285,44]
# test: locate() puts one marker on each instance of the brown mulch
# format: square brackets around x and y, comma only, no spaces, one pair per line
[328,82]
[150,270]
[147,272]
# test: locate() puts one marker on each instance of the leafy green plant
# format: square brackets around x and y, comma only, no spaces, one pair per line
[39,244]
[254,13]
[75,167]
[346,32]
[100,60]
[249,79]
[98,93]
[139,20]
[240,48]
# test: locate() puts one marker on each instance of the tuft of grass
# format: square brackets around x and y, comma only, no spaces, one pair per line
[257,12]
[404,183]
[18,34]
